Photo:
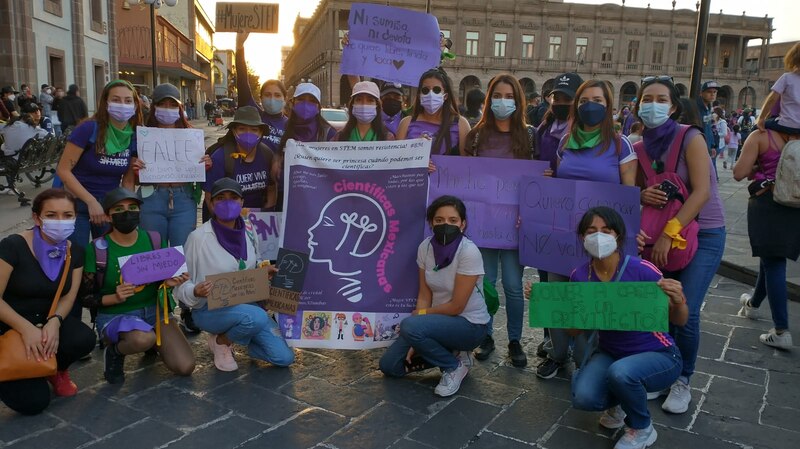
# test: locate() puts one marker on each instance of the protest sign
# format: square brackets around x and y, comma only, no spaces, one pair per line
[252,17]
[358,210]
[550,210]
[153,266]
[489,188]
[616,306]
[171,154]
[288,281]
[238,287]
[268,228]
[391,44]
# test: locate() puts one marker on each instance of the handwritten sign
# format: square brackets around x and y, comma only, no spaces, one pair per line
[391,44]
[619,306]
[268,228]
[238,287]
[171,155]
[489,188]
[551,209]
[153,266]
[252,17]
[287,284]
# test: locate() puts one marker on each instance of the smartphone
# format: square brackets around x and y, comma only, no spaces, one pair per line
[670,188]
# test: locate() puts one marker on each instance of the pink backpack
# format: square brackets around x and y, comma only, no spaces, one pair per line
[653,218]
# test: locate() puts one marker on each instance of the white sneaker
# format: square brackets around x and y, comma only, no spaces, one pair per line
[747,310]
[652,395]
[223,355]
[772,338]
[679,397]
[613,418]
[451,380]
[465,357]
[637,438]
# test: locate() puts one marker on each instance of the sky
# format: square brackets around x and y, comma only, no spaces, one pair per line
[267,47]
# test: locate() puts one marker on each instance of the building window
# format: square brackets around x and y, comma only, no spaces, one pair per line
[608,50]
[472,43]
[554,51]
[96,11]
[53,7]
[56,68]
[527,46]
[445,33]
[581,46]
[500,44]
[683,54]
[658,53]
[633,51]
[341,36]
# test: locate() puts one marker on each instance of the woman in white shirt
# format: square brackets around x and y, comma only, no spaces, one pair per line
[451,318]
[224,244]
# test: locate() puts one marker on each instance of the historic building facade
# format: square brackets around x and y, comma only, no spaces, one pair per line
[536,40]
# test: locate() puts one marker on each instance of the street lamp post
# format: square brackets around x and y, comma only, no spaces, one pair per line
[155,4]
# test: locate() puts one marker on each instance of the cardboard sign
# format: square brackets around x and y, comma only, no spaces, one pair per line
[171,155]
[619,306]
[238,287]
[287,284]
[252,17]
[268,228]
[153,266]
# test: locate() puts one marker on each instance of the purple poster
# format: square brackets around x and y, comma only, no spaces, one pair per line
[489,188]
[391,44]
[551,209]
[358,210]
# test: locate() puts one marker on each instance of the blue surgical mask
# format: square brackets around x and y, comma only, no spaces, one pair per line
[591,113]
[272,106]
[167,116]
[654,115]
[502,108]
[121,112]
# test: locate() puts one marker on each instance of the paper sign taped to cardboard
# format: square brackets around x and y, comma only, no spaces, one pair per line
[252,17]
[153,266]
[238,287]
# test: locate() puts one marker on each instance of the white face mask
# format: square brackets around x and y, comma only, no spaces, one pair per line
[432,102]
[654,115]
[600,245]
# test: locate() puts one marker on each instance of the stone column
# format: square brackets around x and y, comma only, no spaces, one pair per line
[715,64]
[113,62]
[17,49]
[740,54]
[78,53]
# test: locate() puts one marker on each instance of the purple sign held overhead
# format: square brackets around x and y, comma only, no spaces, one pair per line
[551,209]
[489,188]
[391,44]
[153,266]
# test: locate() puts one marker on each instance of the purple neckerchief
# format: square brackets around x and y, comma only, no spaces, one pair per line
[548,143]
[306,132]
[233,240]
[443,254]
[657,140]
[391,122]
[50,257]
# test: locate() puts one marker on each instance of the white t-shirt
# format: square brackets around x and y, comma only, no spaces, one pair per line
[788,86]
[467,261]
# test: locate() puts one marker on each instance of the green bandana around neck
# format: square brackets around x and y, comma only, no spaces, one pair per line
[355,136]
[585,139]
[118,140]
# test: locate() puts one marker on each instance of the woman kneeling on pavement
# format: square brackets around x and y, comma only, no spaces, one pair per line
[451,318]
[128,318]
[224,244]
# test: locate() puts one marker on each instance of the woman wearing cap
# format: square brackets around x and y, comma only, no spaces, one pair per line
[21,129]
[131,319]
[364,123]
[227,243]
[242,155]
[502,133]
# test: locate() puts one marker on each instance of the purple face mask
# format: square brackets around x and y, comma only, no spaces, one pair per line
[121,112]
[227,210]
[306,110]
[247,140]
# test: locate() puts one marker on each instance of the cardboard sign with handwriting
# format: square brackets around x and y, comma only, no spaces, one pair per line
[238,287]
[284,294]
[252,17]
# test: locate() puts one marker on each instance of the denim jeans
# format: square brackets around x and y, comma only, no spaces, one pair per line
[83,227]
[250,326]
[696,278]
[771,284]
[512,286]
[434,338]
[605,382]
[175,224]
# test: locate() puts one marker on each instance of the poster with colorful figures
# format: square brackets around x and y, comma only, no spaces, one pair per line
[358,210]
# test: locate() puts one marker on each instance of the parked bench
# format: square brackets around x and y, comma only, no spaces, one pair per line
[36,160]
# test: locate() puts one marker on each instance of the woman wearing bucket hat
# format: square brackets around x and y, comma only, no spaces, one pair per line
[365,123]
[129,317]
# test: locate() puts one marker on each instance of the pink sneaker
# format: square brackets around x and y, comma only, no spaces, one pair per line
[63,386]
[223,355]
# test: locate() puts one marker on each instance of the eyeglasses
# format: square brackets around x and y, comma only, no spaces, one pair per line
[661,78]
[426,90]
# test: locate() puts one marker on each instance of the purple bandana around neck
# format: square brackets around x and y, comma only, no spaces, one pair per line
[234,241]
[50,257]
[443,254]
[657,140]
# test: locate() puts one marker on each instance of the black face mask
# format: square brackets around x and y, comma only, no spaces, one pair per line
[391,107]
[445,233]
[561,111]
[125,222]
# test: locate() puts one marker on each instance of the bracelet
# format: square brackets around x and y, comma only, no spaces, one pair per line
[422,311]
[60,318]
[673,230]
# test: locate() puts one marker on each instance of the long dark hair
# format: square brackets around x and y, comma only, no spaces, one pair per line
[520,144]
[50,194]
[278,83]
[612,218]
[180,123]
[450,113]
[689,114]
[322,127]
[674,97]
[607,132]
[447,200]
[101,115]
[377,125]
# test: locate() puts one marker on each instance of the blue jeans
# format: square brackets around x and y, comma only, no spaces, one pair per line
[83,227]
[512,286]
[434,338]
[771,284]
[605,382]
[175,224]
[696,278]
[250,326]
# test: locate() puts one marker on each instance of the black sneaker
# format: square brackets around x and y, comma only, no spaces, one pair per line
[114,363]
[486,348]
[188,322]
[517,355]
[540,351]
[547,369]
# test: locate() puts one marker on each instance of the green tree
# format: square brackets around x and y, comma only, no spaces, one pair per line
[253,80]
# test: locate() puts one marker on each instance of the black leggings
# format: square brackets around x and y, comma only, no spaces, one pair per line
[32,396]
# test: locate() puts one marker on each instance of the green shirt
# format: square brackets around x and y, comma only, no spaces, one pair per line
[144,296]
